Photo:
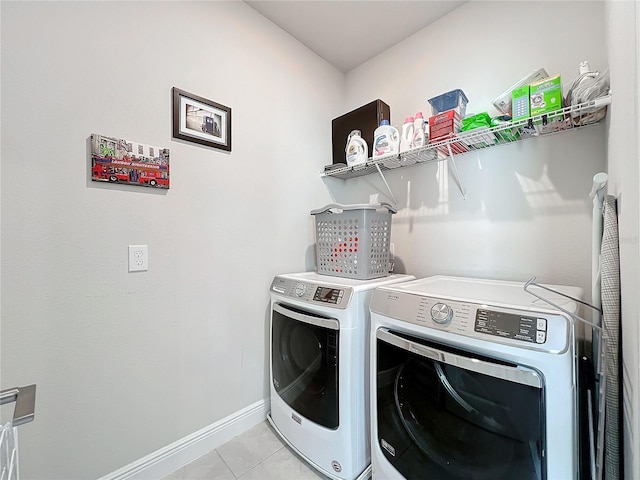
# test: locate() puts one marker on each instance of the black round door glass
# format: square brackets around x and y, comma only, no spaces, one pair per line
[304,362]
[443,422]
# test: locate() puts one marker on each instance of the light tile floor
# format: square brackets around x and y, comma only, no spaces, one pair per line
[257,454]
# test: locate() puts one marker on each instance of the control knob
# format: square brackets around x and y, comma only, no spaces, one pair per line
[441,313]
[300,289]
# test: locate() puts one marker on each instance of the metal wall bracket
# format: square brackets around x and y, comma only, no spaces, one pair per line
[455,172]
[391,195]
[25,398]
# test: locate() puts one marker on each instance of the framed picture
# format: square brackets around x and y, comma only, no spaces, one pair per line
[117,160]
[202,121]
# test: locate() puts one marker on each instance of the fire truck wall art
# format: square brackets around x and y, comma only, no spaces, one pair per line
[118,161]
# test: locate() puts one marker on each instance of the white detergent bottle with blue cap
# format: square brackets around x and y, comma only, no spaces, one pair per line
[385,140]
[357,150]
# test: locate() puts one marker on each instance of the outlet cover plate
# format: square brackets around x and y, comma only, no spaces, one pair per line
[138,258]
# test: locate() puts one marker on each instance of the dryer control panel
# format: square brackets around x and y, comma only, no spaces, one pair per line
[309,292]
[508,325]
[544,331]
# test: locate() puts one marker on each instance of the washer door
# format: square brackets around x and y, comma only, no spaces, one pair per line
[448,414]
[304,363]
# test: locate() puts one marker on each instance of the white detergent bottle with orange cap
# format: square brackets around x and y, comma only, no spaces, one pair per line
[406,135]
[418,131]
[385,140]
[357,150]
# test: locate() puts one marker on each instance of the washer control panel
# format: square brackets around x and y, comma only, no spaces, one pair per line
[313,293]
[507,325]
[328,295]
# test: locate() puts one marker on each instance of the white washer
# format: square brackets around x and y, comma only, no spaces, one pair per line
[320,369]
[473,379]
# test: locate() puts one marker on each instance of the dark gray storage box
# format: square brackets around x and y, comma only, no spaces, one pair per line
[366,119]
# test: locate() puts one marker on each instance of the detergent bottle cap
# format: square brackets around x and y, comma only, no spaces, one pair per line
[419,115]
[384,122]
[408,120]
[584,67]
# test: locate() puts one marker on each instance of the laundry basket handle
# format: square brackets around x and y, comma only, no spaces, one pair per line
[358,206]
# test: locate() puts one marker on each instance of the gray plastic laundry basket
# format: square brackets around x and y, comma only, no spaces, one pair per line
[354,241]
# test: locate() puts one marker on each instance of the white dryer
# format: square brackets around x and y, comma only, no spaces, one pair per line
[473,380]
[320,369]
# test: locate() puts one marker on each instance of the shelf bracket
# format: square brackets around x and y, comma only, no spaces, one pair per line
[455,171]
[328,180]
[391,195]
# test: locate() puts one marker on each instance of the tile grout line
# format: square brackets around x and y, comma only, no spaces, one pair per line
[226,464]
[261,462]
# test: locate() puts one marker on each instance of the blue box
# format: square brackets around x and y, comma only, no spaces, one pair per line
[455,99]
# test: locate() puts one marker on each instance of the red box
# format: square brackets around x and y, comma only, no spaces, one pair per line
[456,148]
[444,125]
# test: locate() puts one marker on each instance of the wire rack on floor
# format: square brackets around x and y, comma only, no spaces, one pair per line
[24,412]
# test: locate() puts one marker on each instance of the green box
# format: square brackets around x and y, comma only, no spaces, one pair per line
[546,96]
[520,103]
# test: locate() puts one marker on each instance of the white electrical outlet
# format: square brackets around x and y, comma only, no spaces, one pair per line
[138,258]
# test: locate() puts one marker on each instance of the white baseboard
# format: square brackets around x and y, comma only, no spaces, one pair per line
[176,455]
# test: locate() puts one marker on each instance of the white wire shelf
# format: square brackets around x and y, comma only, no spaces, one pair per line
[566,119]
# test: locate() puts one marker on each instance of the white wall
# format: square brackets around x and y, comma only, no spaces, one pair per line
[623,21]
[128,363]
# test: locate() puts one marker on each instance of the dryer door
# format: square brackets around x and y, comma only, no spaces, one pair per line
[447,414]
[304,363]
